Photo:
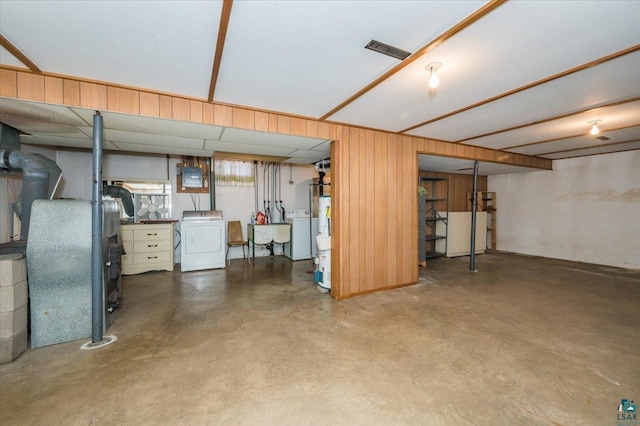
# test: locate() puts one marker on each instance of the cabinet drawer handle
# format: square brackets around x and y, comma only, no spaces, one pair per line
[152,245]
[152,234]
[152,257]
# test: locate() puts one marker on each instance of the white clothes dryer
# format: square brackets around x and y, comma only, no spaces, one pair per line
[203,240]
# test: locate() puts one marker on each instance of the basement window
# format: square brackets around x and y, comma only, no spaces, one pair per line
[151,199]
[229,172]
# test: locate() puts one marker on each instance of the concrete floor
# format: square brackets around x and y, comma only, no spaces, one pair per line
[524,341]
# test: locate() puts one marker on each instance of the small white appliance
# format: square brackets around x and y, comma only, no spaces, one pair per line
[203,240]
[301,237]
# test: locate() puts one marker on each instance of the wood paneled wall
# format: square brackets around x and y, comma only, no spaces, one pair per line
[459,186]
[374,173]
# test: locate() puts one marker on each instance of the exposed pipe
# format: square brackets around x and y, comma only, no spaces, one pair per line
[264,187]
[267,212]
[257,181]
[124,195]
[212,185]
[311,236]
[97,293]
[474,207]
[274,172]
[164,185]
[282,218]
[321,183]
[39,181]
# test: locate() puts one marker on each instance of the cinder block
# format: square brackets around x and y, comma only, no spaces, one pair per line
[12,323]
[11,348]
[13,269]
[14,296]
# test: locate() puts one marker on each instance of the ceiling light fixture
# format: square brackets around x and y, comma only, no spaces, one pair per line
[434,81]
[594,127]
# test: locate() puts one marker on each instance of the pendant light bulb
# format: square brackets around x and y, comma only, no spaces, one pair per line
[594,127]
[434,81]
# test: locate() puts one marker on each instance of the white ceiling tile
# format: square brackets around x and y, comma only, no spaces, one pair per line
[158,140]
[273,139]
[307,57]
[247,149]
[7,58]
[323,146]
[595,150]
[134,43]
[591,87]
[304,58]
[613,117]
[298,161]
[151,125]
[440,164]
[313,155]
[582,141]
[18,113]
[69,142]
[132,147]
[54,129]
[501,52]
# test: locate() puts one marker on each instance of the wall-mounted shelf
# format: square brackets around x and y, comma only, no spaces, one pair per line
[435,226]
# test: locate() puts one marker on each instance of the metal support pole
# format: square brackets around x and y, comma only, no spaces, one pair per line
[474,207]
[311,236]
[97,292]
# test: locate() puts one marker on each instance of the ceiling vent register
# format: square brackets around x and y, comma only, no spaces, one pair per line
[388,50]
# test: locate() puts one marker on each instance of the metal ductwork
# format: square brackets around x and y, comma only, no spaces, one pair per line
[124,195]
[41,176]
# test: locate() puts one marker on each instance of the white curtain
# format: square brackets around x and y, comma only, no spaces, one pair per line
[233,172]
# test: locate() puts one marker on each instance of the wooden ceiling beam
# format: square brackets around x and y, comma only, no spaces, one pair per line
[19,55]
[222,35]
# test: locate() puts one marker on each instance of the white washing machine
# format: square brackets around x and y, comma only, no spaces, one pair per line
[203,240]
[299,248]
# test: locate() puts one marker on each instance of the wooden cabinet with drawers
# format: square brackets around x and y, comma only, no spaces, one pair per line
[148,247]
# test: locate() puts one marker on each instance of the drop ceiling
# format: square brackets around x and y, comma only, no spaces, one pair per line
[517,76]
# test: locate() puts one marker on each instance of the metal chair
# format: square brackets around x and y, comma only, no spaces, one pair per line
[234,238]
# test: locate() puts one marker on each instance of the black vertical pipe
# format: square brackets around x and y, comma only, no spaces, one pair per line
[255,178]
[97,293]
[474,207]
[212,185]
[321,183]
[311,236]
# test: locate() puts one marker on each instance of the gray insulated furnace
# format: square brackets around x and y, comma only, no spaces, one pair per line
[59,262]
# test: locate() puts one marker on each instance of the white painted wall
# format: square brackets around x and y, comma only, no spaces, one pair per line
[587,209]
[236,203]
